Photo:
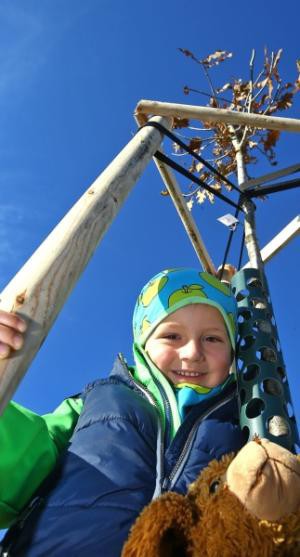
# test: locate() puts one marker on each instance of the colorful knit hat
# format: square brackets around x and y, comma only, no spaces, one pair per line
[174,288]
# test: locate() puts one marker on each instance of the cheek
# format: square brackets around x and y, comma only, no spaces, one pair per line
[219,356]
[161,356]
[223,363]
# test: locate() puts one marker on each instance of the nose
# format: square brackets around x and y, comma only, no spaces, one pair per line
[192,350]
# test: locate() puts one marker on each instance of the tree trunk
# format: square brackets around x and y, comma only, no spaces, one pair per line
[251,241]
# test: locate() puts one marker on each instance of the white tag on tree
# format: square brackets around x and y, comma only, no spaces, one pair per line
[229,220]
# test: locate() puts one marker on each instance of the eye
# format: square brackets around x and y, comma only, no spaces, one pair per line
[212,339]
[214,486]
[171,336]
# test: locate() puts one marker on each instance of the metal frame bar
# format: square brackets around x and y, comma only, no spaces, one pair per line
[274,188]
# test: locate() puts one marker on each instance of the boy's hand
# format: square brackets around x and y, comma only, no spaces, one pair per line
[11,329]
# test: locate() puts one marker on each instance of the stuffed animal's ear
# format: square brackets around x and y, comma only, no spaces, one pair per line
[162,529]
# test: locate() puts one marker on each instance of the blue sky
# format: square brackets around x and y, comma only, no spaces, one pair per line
[71,75]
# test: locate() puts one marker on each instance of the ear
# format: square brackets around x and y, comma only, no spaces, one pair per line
[162,529]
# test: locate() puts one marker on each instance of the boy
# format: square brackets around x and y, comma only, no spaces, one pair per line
[126,439]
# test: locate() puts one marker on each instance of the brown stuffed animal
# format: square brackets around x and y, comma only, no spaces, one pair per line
[242,506]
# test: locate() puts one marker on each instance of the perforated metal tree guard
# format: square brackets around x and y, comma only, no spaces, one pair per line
[266,406]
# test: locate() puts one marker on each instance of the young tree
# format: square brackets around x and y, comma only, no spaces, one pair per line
[230,148]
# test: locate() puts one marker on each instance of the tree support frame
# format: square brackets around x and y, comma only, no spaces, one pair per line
[41,287]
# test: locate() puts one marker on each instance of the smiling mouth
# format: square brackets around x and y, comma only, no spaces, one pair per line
[190,373]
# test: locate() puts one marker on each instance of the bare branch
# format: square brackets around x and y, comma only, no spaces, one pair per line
[216,96]
[272,62]
[251,64]
[273,99]
[261,73]
[209,81]
[244,136]
[190,194]
[217,159]
[199,129]
[248,101]
[233,148]
[210,142]
[214,137]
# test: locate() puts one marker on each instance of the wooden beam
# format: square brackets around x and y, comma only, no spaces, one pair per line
[41,287]
[271,176]
[185,216]
[206,114]
[279,241]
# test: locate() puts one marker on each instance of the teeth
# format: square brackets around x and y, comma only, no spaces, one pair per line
[189,373]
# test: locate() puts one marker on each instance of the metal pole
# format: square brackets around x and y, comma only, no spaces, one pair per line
[41,287]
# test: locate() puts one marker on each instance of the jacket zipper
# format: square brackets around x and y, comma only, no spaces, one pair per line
[169,416]
[167,406]
[170,480]
[160,437]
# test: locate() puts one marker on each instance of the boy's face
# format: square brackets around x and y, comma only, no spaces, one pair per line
[191,345]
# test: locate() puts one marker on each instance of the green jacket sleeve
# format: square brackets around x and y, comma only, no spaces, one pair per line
[30,445]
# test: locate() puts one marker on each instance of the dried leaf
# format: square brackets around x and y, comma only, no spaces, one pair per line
[278,56]
[224,88]
[266,61]
[275,64]
[176,148]
[204,176]
[210,196]
[263,100]
[195,143]
[200,196]
[192,168]
[285,101]
[164,193]
[216,186]
[190,204]
[216,58]
[179,123]
[271,139]
[186,52]
[199,166]
[270,88]
[262,83]
[252,144]
[213,102]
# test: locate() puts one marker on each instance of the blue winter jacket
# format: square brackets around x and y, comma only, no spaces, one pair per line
[116,463]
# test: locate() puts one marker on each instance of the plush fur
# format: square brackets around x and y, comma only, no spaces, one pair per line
[213,519]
